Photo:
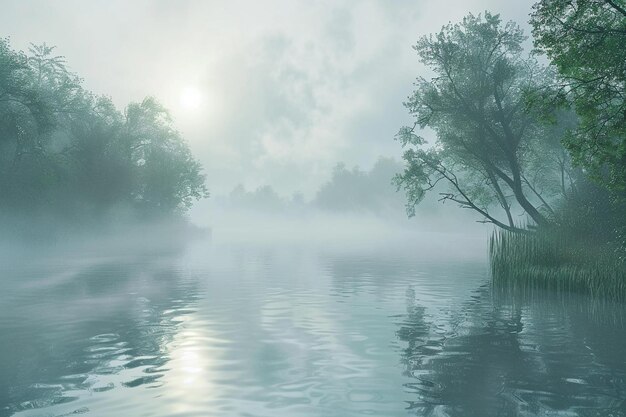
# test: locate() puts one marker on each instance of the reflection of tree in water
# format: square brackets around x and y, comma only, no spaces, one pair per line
[582,341]
[415,331]
[462,371]
[507,361]
[109,320]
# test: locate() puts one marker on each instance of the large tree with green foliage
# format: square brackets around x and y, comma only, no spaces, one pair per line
[65,151]
[491,147]
[585,40]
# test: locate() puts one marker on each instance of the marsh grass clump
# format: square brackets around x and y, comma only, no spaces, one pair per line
[554,260]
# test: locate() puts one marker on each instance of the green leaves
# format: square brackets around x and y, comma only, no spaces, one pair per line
[585,40]
[407,136]
[487,134]
[63,149]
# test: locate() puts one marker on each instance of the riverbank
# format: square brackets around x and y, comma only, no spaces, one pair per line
[556,261]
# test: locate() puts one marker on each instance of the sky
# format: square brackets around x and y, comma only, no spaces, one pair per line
[265,92]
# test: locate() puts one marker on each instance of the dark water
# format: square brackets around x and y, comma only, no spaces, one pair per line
[236,330]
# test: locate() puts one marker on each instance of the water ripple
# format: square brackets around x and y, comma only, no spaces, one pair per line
[253,331]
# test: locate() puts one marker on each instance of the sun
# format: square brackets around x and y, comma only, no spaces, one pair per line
[191,98]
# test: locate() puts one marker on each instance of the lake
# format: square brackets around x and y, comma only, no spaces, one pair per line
[390,328]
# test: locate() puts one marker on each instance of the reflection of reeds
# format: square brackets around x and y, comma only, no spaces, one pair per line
[555,262]
[545,302]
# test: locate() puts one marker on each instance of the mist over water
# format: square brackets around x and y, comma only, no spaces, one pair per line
[383,324]
[348,230]
[296,209]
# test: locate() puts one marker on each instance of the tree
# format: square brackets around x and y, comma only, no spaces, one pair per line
[584,39]
[67,152]
[358,190]
[264,198]
[169,178]
[488,136]
[36,98]
[344,191]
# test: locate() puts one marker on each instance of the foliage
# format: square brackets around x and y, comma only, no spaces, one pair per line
[584,39]
[358,190]
[264,198]
[348,190]
[555,260]
[68,152]
[490,141]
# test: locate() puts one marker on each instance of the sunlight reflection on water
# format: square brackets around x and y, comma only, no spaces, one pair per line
[298,331]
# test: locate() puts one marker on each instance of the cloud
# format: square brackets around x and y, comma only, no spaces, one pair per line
[292,87]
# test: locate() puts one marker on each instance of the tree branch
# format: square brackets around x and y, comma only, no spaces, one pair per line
[616,6]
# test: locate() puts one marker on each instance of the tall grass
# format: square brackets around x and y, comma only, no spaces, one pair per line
[556,261]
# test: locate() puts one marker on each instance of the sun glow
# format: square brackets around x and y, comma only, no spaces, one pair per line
[192,376]
[191,98]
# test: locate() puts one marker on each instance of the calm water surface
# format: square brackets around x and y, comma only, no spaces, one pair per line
[292,330]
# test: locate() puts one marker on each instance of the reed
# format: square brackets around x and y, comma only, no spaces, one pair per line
[556,261]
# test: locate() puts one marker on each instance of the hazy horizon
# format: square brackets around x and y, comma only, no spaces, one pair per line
[277,93]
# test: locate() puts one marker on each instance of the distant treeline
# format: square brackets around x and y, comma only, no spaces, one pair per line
[69,154]
[358,190]
[349,190]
